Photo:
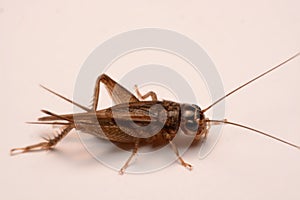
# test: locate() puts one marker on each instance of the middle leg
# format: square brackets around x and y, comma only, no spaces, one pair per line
[136,146]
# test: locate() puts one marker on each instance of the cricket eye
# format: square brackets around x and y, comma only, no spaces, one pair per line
[189,121]
[192,125]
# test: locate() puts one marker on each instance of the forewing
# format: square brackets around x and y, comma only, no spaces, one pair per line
[123,122]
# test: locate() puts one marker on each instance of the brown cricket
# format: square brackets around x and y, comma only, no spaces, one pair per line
[188,117]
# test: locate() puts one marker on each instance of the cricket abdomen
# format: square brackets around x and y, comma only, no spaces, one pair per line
[125,123]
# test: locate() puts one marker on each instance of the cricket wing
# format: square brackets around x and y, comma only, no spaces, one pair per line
[123,123]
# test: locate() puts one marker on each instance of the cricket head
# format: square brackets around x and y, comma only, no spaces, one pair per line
[193,120]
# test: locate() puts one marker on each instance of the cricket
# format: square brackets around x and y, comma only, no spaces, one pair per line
[115,126]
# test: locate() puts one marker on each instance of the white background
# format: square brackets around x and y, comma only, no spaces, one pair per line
[43,42]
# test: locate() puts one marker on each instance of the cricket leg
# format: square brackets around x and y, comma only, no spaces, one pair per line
[136,146]
[50,142]
[151,94]
[183,163]
[117,92]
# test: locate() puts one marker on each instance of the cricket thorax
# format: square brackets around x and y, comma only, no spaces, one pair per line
[173,111]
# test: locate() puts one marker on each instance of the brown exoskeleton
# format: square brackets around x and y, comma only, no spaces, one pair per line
[115,126]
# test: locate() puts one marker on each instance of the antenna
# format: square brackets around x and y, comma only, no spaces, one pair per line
[252,80]
[252,129]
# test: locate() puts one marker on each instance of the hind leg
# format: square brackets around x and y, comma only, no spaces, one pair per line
[50,143]
[118,93]
[148,94]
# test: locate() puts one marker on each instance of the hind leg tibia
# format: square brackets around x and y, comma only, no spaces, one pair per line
[50,143]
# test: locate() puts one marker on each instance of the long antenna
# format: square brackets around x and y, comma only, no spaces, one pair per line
[255,130]
[261,75]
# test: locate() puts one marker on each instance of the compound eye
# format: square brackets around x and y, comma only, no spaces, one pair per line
[188,114]
[192,125]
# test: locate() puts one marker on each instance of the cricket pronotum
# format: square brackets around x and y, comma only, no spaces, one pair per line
[188,117]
